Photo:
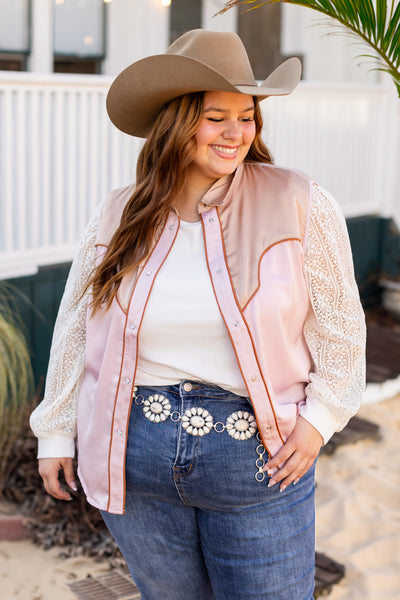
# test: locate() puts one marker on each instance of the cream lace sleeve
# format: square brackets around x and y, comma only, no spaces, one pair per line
[335,327]
[54,420]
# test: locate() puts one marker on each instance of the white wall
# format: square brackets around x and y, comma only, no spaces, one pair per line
[134,30]
[41,57]
[329,53]
[214,22]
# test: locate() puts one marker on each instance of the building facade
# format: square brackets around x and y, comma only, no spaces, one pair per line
[103,36]
[59,154]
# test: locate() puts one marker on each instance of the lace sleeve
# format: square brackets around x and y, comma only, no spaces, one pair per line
[335,327]
[54,420]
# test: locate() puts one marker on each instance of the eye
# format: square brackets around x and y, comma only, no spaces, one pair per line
[247,119]
[214,119]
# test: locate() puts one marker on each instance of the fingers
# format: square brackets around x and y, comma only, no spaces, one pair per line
[296,456]
[69,473]
[292,471]
[49,471]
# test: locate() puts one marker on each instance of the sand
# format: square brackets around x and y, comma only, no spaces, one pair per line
[358,509]
[358,524]
[30,573]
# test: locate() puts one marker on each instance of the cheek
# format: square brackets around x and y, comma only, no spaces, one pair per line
[206,134]
[250,133]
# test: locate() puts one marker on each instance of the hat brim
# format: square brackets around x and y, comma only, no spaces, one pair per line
[137,95]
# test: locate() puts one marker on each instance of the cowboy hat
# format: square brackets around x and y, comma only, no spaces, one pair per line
[197,61]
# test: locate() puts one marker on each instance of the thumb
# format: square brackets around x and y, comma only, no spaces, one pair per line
[67,465]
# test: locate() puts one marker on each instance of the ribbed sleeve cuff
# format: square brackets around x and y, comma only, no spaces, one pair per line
[321,418]
[56,446]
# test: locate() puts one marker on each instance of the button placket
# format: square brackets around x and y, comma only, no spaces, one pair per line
[236,322]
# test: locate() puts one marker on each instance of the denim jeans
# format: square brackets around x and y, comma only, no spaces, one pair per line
[197,523]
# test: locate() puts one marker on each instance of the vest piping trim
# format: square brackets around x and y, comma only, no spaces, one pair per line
[116,393]
[291,239]
[251,338]
[137,342]
[113,418]
[229,333]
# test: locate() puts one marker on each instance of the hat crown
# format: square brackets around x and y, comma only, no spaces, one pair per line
[222,51]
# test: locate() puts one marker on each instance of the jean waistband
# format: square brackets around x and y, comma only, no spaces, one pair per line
[187,386]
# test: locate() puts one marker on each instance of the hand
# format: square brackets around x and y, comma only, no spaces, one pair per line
[49,470]
[296,456]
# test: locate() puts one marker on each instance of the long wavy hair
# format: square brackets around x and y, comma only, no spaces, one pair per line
[162,167]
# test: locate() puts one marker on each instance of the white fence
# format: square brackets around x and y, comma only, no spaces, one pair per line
[59,156]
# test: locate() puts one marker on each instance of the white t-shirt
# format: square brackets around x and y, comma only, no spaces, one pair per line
[183,335]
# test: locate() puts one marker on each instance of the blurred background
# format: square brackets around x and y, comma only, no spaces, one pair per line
[59,154]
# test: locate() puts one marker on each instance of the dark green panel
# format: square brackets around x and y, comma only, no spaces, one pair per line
[37,298]
[366,241]
[390,262]
[375,243]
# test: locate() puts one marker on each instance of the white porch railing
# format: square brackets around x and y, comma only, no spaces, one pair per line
[59,156]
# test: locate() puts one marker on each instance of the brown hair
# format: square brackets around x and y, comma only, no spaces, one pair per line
[162,166]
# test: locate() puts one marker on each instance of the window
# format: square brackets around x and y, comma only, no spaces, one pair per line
[14,34]
[184,15]
[79,35]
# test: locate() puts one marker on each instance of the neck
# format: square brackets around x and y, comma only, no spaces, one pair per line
[187,202]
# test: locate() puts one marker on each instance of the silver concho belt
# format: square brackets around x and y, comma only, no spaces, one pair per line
[197,421]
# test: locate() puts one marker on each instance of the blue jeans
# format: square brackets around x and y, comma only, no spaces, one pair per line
[198,525]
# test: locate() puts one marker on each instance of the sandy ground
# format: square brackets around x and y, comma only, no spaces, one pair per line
[358,524]
[358,509]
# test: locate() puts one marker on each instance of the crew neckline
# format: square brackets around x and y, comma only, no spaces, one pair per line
[190,223]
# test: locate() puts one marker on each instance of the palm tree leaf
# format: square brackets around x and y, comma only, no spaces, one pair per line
[393,24]
[366,15]
[346,9]
[394,49]
[327,5]
[373,25]
[381,14]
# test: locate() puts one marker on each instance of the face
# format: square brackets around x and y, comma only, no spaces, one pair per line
[224,137]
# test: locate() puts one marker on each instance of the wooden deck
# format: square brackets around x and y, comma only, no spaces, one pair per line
[383,346]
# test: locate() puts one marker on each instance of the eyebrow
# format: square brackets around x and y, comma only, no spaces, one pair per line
[222,110]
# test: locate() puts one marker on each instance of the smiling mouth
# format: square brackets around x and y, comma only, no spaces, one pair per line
[225,150]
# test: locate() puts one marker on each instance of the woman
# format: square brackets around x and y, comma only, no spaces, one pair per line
[223,344]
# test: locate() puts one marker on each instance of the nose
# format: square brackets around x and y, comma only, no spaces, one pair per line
[232,130]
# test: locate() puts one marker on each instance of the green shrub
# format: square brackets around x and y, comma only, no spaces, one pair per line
[16,379]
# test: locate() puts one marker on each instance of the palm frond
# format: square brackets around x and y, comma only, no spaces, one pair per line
[370,20]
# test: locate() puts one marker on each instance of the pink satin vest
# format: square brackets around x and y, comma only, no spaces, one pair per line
[255,225]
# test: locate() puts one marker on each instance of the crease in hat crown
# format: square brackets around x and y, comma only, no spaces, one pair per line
[199,60]
[222,51]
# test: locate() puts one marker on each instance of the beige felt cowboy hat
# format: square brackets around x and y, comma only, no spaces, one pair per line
[199,60]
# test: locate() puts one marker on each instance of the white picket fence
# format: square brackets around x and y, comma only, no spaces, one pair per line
[59,156]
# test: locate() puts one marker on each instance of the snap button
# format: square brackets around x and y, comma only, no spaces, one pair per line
[237,323]
[219,271]
[132,326]
[127,380]
[187,387]
[119,432]
[172,227]
[148,272]
[211,220]
[253,378]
